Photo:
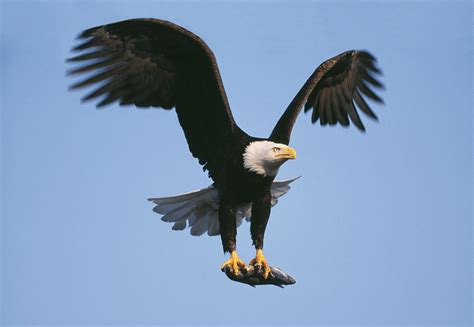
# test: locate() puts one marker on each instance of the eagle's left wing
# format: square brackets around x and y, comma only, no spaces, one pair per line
[333,91]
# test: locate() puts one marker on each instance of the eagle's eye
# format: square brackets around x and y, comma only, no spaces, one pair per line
[276,149]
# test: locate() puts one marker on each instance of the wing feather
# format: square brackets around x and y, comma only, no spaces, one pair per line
[338,108]
[363,106]
[322,111]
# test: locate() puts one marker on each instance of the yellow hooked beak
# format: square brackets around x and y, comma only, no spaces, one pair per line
[286,153]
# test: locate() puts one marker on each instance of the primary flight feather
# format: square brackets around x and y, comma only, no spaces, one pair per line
[155,63]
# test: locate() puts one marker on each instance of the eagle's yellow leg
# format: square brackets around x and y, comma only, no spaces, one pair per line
[234,263]
[260,260]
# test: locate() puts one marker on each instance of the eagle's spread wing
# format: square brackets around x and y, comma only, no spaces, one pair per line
[333,91]
[155,63]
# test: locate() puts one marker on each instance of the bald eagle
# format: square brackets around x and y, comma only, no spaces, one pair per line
[155,63]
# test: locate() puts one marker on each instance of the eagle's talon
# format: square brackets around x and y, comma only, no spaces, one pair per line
[235,264]
[261,264]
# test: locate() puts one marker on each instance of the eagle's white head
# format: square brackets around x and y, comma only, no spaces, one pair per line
[265,157]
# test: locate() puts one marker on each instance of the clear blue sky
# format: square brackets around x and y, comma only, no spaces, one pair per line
[378,230]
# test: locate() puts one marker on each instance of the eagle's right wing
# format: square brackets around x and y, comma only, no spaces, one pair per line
[155,63]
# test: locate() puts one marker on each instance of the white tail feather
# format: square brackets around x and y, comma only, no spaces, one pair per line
[199,209]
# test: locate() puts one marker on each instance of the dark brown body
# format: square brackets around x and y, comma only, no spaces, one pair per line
[240,186]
